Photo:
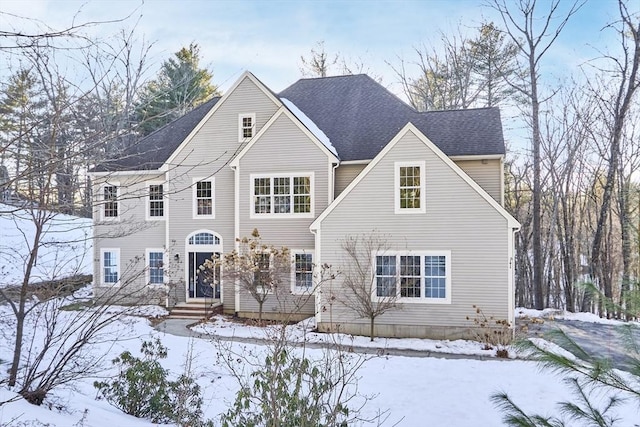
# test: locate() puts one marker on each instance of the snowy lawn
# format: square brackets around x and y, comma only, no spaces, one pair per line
[416,391]
[65,246]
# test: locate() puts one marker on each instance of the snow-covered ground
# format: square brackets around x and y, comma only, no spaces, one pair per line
[416,391]
[65,246]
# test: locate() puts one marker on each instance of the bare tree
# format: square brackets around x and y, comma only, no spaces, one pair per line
[521,22]
[368,290]
[616,112]
[259,269]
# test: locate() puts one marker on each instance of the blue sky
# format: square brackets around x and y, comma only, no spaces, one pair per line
[268,37]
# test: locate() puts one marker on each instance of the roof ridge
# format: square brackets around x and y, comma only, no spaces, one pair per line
[495,107]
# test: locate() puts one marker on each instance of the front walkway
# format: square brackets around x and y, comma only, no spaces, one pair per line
[180,327]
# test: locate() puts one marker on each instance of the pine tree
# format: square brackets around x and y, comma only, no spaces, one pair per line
[180,86]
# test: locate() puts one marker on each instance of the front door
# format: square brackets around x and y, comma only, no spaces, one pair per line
[203,284]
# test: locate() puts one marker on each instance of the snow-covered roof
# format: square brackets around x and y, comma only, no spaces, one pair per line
[309,124]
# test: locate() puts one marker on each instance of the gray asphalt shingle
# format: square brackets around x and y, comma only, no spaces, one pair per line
[356,113]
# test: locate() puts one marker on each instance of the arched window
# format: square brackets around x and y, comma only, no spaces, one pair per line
[204,239]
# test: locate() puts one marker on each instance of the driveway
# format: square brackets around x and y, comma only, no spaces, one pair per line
[601,340]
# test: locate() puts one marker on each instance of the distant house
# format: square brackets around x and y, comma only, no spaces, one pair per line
[307,167]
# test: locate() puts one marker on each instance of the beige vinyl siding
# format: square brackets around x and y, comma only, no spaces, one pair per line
[487,173]
[207,155]
[283,149]
[132,234]
[457,219]
[345,174]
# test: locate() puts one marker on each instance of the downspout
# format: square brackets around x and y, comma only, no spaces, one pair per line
[317,273]
[236,232]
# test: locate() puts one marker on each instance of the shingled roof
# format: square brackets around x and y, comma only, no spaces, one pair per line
[357,114]
[150,152]
[360,117]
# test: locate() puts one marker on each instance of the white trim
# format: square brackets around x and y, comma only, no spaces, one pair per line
[194,198]
[125,172]
[253,127]
[200,248]
[317,272]
[103,203]
[236,232]
[147,276]
[396,190]
[118,265]
[216,107]
[147,214]
[477,157]
[291,176]
[356,162]
[422,299]
[302,290]
[297,122]
[409,127]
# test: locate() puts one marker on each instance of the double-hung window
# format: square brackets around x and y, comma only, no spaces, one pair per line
[282,195]
[155,259]
[156,201]
[110,263]
[410,187]
[246,126]
[262,273]
[203,194]
[423,276]
[302,271]
[111,204]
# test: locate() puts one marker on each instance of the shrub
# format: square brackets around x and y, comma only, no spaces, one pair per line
[493,333]
[142,389]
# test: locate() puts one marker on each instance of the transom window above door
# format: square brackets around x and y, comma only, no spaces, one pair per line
[204,239]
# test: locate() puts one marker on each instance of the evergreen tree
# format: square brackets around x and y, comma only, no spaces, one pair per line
[180,86]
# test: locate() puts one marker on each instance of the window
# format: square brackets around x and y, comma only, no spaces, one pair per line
[410,187]
[282,195]
[156,267]
[204,239]
[110,193]
[262,273]
[203,191]
[156,201]
[414,277]
[303,271]
[246,126]
[110,266]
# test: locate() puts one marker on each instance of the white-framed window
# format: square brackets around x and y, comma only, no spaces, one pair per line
[410,187]
[282,195]
[110,266]
[246,126]
[416,276]
[302,271]
[155,266]
[111,201]
[203,198]
[262,273]
[155,200]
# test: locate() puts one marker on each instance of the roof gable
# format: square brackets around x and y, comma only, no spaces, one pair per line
[245,75]
[443,157]
[286,112]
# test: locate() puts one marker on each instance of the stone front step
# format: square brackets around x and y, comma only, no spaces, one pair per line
[195,310]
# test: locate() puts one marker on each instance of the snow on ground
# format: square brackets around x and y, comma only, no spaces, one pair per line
[303,332]
[65,249]
[551,313]
[416,391]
